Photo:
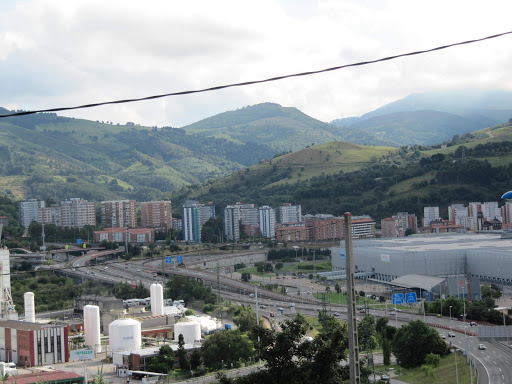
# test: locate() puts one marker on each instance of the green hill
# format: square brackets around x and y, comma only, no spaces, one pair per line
[380,181]
[54,157]
[279,127]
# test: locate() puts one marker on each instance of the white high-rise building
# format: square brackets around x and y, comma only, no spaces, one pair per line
[29,211]
[430,214]
[267,221]
[288,213]
[491,211]
[77,213]
[191,221]
[458,214]
[232,223]
[473,209]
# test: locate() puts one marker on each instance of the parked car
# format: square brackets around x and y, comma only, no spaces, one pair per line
[384,378]
[481,347]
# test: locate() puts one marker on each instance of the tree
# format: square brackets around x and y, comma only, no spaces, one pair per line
[228,347]
[181,353]
[244,318]
[414,341]
[337,288]
[246,276]
[195,359]
[366,333]
[164,361]
[433,359]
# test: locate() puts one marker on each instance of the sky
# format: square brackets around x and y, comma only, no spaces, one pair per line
[59,53]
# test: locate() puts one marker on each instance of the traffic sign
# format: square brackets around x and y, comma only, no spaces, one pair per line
[179,259]
[343,255]
[398,298]
[410,297]
[168,259]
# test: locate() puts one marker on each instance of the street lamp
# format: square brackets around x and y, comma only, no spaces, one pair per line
[450,314]
[464,302]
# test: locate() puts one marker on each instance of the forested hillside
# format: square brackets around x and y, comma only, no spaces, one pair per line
[55,158]
[474,169]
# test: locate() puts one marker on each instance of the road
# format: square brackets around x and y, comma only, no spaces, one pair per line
[493,363]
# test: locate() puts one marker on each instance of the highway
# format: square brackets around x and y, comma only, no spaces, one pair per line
[493,363]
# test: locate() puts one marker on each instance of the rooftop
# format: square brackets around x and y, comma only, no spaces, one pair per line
[424,282]
[25,326]
[46,377]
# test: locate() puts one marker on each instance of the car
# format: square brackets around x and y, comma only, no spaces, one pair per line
[359,307]
[384,378]
[392,313]
[481,347]
[138,269]
[362,311]
[336,314]
[105,268]
[272,314]
[451,334]
[262,307]
[396,309]
[443,336]
[473,324]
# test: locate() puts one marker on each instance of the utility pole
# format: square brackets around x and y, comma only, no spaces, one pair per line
[353,343]
[219,311]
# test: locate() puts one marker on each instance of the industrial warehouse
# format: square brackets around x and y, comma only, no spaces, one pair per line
[411,262]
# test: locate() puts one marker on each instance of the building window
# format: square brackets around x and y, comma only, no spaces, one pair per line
[46,344]
[52,339]
[58,344]
[39,346]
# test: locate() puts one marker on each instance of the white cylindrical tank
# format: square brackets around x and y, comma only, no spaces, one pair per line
[30,309]
[157,299]
[191,331]
[125,335]
[92,327]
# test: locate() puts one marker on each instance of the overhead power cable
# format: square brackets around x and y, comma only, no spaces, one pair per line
[245,83]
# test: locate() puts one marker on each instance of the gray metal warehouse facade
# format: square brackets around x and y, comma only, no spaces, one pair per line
[487,256]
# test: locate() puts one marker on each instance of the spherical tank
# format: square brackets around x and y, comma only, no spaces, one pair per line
[191,331]
[157,299]
[92,327]
[30,309]
[125,335]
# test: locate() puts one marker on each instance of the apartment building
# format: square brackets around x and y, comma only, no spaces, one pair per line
[292,232]
[232,223]
[191,221]
[77,213]
[288,213]
[29,211]
[363,227]
[323,227]
[123,234]
[430,214]
[156,214]
[267,221]
[119,213]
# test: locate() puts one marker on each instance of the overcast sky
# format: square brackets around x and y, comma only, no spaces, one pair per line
[57,53]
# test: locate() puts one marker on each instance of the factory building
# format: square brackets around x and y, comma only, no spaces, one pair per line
[485,256]
[33,344]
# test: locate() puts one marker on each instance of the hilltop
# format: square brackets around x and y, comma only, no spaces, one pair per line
[281,128]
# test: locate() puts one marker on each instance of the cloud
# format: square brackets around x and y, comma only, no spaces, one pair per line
[62,53]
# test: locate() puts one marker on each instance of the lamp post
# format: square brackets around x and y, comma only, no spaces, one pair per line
[450,316]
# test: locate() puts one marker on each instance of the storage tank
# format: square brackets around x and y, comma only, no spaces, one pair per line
[191,331]
[30,309]
[157,299]
[125,335]
[92,327]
